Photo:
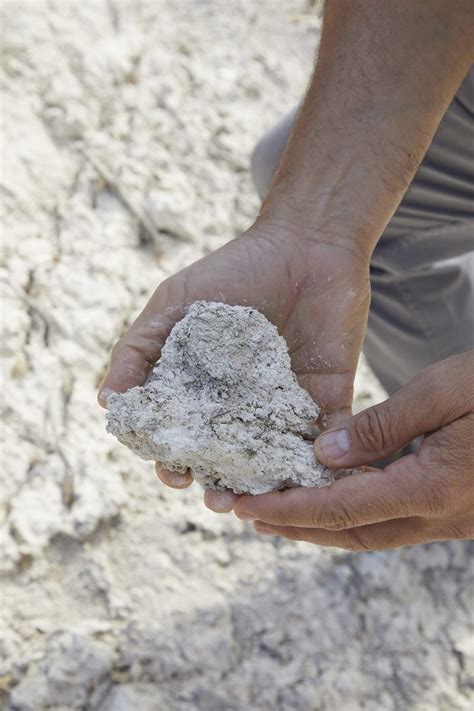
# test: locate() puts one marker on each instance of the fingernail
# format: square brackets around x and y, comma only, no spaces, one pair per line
[334,444]
[223,501]
[245,516]
[177,479]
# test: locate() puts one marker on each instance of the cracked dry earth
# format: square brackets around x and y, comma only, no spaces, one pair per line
[126,134]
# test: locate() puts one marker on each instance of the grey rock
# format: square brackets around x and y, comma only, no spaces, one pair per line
[223,401]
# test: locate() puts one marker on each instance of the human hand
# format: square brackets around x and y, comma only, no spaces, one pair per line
[420,498]
[314,287]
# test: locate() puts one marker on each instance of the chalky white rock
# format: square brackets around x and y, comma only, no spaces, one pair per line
[223,401]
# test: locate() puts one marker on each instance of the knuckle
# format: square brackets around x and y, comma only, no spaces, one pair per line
[337,518]
[330,521]
[444,384]
[285,509]
[370,431]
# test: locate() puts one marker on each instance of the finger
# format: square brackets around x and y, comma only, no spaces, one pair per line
[437,396]
[176,480]
[324,350]
[220,501]
[376,537]
[335,418]
[137,351]
[364,498]
[333,392]
[128,367]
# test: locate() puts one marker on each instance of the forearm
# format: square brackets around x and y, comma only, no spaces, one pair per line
[386,73]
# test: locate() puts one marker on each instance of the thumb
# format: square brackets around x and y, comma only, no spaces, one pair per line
[137,351]
[432,399]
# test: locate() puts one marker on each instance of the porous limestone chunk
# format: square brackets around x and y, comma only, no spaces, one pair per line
[223,401]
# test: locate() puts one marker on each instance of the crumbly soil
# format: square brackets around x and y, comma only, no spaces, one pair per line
[223,402]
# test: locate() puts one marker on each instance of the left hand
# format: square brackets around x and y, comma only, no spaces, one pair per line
[313,285]
[420,498]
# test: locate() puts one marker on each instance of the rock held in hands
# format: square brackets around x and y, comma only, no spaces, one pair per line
[223,401]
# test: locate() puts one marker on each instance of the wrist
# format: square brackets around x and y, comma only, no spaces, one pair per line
[315,218]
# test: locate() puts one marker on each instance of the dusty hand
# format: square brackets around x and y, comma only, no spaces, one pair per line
[314,288]
[422,497]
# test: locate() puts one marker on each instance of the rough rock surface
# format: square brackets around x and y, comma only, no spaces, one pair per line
[114,111]
[223,401]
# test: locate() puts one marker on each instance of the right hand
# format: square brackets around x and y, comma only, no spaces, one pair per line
[315,289]
[419,498]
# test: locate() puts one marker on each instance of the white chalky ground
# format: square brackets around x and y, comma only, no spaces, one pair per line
[127,129]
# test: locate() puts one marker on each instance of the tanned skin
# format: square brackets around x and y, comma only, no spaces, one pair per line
[385,74]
